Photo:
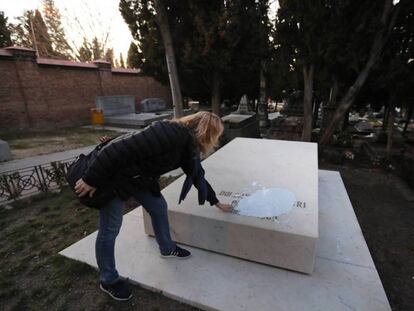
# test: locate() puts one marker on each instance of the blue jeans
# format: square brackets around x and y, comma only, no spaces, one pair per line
[110,221]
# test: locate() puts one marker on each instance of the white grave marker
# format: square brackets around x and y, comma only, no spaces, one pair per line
[274,188]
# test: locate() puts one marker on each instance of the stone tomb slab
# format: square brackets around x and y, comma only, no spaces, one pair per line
[238,120]
[240,168]
[345,277]
[137,119]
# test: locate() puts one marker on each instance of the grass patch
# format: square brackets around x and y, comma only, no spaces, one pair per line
[32,241]
[70,133]
[26,143]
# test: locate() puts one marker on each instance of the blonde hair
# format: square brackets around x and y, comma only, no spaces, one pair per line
[206,126]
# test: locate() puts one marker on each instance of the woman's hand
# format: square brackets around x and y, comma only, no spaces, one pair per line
[224,207]
[104,139]
[82,189]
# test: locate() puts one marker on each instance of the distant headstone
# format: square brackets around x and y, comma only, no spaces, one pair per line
[243,106]
[294,105]
[194,105]
[273,115]
[237,120]
[364,126]
[5,154]
[116,105]
[241,123]
[153,104]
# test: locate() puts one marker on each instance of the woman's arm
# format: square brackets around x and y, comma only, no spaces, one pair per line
[195,176]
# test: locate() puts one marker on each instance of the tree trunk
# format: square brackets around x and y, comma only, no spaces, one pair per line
[346,120]
[349,98]
[307,102]
[391,118]
[385,118]
[215,94]
[407,120]
[333,94]
[162,21]
[262,104]
[316,107]
[330,105]
[34,37]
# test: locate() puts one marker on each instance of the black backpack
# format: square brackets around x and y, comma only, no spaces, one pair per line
[75,171]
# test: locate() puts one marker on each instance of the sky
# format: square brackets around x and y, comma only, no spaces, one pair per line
[88,18]
[95,18]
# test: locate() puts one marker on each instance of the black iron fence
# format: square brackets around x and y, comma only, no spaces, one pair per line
[21,183]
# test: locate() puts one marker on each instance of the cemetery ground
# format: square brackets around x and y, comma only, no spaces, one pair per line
[27,143]
[34,277]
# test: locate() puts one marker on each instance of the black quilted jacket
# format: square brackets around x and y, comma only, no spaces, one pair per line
[137,160]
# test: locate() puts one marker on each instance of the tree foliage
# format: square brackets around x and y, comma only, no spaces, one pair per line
[133,56]
[42,40]
[212,39]
[343,40]
[21,30]
[46,34]
[61,47]
[121,61]
[5,39]
[109,56]
[85,53]
[90,51]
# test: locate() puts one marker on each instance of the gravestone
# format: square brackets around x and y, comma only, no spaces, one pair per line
[153,105]
[116,105]
[120,111]
[364,127]
[241,123]
[194,105]
[294,105]
[273,115]
[244,106]
[237,121]
[258,168]
[5,154]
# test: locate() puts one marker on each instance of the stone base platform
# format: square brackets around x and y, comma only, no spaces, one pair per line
[344,278]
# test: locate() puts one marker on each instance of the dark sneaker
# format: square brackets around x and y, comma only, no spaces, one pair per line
[118,291]
[179,253]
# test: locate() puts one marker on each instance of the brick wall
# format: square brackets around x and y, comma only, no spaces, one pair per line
[47,93]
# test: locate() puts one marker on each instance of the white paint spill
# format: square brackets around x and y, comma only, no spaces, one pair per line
[266,202]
